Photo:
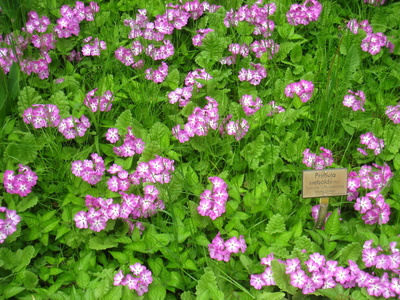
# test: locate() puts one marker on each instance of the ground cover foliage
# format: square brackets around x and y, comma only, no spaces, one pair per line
[155,151]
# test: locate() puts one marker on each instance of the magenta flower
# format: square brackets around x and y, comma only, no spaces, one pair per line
[303,89]
[304,13]
[140,280]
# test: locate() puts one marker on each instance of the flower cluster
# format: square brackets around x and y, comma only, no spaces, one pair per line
[190,79]
[158,169]
[393,113]
[157,75]
[131,207]
[236,128]
[136,206]
[90,170]
[212,203]
[376,257]
[325,274]
[8,225]
[181,95]
[303,89]
[249,105]
[373,42]
[371,142]
[199,122]
[95,103]
[36,23]
[47,115]
[140,280]
[20,183]
[318,162]
[127,56]
[355,100]
[163,52]
[197,40]
[130,146]
[255,76]
[304,13]
[375,2]
[221,250]
[235,49]
[92,48]
[71,127]
[372,205]
[254,15]
[42,115]
[264,46]
[275,109]
[68,24]
[121,181]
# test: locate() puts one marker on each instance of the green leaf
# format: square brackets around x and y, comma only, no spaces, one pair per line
[11,290]
[296,54]
[27,97]
[392,138]
[97,243]
[253,150]
[275,225]
[157,291]
[120,256]
[114,293]
[282,279]
[27,202]
[214,46]
[207,287]
[30,280]
[82,279]
[271,296]
[62,103]
[124,120]
[350,252]
[332,225]
[161,134]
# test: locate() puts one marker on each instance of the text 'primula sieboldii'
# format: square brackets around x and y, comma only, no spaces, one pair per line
[355,100]
[20,183]
[140,280]
[317,162]
[221,250]
[371,142]
[303,89]
[8,225]
[372,206]
[212,203]
[95,103]
[304,13]
[90,170]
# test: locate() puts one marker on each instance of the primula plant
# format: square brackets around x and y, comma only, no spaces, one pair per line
[155,149]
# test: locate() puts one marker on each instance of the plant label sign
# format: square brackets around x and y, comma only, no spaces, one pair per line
[324,183]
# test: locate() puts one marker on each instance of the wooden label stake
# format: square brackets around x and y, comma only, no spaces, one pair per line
[323,210]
